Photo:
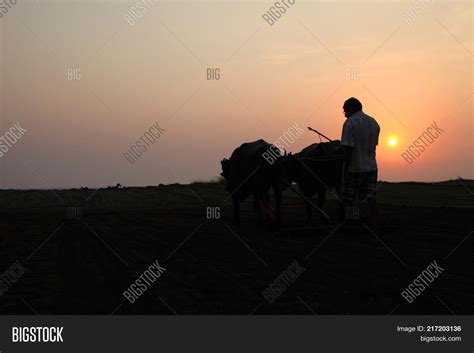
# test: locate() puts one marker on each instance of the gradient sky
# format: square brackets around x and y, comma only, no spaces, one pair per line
[271,77]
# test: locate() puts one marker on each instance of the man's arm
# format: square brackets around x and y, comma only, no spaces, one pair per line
[347,155]
[347,141]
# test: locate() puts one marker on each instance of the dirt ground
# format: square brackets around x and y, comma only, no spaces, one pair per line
[82,248]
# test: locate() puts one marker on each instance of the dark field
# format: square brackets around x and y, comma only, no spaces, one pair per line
[82,266]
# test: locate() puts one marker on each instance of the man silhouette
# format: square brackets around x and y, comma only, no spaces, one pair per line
[360,136]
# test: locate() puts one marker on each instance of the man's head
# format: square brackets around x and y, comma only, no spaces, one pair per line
[351,106]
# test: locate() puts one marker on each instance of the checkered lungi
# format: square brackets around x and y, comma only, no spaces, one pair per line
[359,185]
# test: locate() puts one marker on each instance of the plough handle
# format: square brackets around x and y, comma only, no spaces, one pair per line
[320,134]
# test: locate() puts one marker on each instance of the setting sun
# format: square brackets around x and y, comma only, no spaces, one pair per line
[393,141]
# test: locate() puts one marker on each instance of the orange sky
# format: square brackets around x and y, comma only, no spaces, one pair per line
[407,77]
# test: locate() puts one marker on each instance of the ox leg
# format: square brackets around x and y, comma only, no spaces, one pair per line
[236,211]
[257,208]
[340,211]
[321,198]
[277,192]
[309,208]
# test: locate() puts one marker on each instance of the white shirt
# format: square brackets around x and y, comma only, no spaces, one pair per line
[361,132]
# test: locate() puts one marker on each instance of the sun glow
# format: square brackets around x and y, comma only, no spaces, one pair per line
[392,141]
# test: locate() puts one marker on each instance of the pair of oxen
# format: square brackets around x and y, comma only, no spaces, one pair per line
[316,170]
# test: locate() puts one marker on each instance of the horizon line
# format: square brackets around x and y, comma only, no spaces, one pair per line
[206,182]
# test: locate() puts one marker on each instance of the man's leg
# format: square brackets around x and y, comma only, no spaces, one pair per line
[372,201]
[348,192]
[371,188]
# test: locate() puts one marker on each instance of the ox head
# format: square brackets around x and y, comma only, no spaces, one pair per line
[226,174]
[225,165]
[290,166]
